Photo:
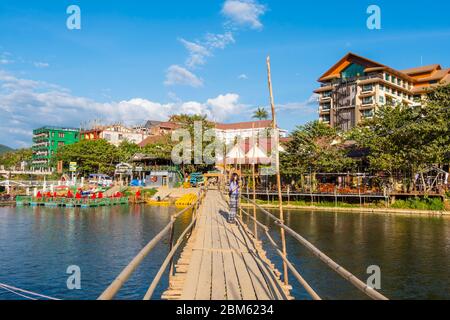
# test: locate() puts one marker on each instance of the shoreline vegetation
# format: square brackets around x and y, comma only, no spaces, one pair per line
[347,207]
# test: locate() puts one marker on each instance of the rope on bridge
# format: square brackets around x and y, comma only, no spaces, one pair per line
[291,267]
[168,259]
[369,291]
[117,284]
[25,293]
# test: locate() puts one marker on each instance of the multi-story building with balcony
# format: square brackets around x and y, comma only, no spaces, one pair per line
[46,142]
[355,87]
[115,134]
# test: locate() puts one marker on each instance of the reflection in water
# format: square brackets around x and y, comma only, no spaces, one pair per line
[38,244]
[413,253]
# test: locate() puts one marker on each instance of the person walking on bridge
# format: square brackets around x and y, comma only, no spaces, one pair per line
[234,197]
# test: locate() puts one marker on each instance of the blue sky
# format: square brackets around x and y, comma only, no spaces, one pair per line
[137,60]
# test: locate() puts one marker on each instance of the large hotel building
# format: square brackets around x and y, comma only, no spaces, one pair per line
[355,86]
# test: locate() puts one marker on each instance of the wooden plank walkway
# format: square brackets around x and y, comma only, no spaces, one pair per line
[222,262]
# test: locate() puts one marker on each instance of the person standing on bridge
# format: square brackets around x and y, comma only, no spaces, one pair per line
[234,197]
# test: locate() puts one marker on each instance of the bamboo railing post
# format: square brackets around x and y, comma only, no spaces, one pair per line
[172,234]
[277,165]
[254,200]
[255,144]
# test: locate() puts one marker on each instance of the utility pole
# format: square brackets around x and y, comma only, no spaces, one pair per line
[277,166]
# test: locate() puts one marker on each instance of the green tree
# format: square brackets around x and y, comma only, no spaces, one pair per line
[4,149]
[126,150]
[91,156]
[261,114]
[14,158]
[162,149]
[404,139]
[188,123]
[317,147]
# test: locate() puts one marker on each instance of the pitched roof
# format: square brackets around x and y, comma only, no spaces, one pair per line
[169,125]
[345,62]
[371,66]
[244,125]
[153,140]
[151,123]
[437,75]
[422,69]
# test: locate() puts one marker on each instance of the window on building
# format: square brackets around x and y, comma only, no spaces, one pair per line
[120,136]
[61,135]
[367,87]
[381,99]
[381,87]
[367,113]
[387,77]
[107,137]
[367,100]
[326,118]
[326,106]
[353,71]
[61,144]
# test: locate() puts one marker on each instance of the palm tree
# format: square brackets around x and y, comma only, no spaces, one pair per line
[261,114]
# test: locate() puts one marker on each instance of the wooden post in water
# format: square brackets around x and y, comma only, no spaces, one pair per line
[277,166]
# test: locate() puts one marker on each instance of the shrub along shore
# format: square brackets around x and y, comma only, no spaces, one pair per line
[410,206]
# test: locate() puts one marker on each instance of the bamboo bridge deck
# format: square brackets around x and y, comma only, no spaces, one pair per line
[222,262]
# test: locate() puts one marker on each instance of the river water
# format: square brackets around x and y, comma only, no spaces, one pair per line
[37,245]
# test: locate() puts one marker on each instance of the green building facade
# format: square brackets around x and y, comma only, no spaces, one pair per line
[46,142]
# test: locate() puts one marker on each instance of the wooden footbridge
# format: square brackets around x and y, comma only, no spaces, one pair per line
[222,261]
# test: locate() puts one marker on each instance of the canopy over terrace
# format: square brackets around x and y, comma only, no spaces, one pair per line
[250,151]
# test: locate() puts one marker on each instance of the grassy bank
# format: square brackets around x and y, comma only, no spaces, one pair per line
[426,204]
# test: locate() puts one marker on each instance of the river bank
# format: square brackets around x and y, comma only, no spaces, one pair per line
[7,203]
[354,209]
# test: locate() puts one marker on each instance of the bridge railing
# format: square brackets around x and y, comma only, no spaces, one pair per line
[352,279]
[117,284]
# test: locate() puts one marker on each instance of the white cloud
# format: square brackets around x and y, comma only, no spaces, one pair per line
[197,53]
[177,75]
[41,64]
[219,41]
[5,61]
[243,76]
[244,12]
[24,107]
[309,106]
[225,106]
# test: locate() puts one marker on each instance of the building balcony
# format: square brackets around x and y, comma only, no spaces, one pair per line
[367,105]
[41,146]
[40,139]
[368,93]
